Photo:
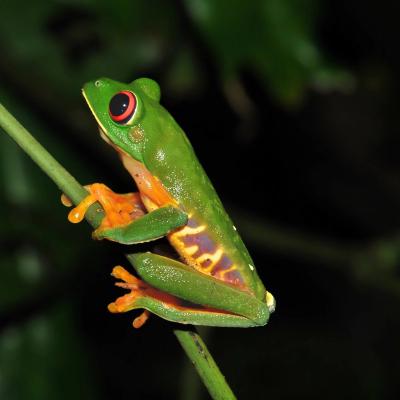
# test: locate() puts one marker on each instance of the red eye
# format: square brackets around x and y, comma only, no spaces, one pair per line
[122,106]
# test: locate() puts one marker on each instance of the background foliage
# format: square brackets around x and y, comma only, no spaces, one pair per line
[292,109]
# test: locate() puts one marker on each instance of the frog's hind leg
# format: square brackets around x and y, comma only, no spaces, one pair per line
[169,307]
[179,293]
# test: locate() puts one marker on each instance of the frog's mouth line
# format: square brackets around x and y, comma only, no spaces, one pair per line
[91,110]
[102,130]
[104,136]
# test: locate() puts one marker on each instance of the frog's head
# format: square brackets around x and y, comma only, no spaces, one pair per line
[120,110]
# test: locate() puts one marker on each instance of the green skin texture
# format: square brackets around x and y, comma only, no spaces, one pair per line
[167,153]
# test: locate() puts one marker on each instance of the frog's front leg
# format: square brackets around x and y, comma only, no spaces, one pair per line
[181,294]
[126,220]
[119,209]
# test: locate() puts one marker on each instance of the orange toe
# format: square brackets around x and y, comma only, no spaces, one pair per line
[139,321]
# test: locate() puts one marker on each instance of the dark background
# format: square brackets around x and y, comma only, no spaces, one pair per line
[292,108]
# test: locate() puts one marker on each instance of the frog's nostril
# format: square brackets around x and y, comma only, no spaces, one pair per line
[97,83]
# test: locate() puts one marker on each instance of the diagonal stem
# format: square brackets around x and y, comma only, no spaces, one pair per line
[191,342]
[49,165]
[205,365]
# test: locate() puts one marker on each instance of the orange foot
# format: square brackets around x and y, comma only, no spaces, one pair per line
[120,209]
[139,292]
[128,301]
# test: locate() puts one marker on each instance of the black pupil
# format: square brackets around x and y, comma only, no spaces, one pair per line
[118,104]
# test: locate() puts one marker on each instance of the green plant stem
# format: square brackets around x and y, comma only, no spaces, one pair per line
[191,342]
[49,165]
[205,365]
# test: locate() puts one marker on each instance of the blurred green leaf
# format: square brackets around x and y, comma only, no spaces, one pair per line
[274,39]
[44,359]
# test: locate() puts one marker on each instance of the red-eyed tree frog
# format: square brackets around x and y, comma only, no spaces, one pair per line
[213,281]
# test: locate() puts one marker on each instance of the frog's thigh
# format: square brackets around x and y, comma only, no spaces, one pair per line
[150,226]
[184,282]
